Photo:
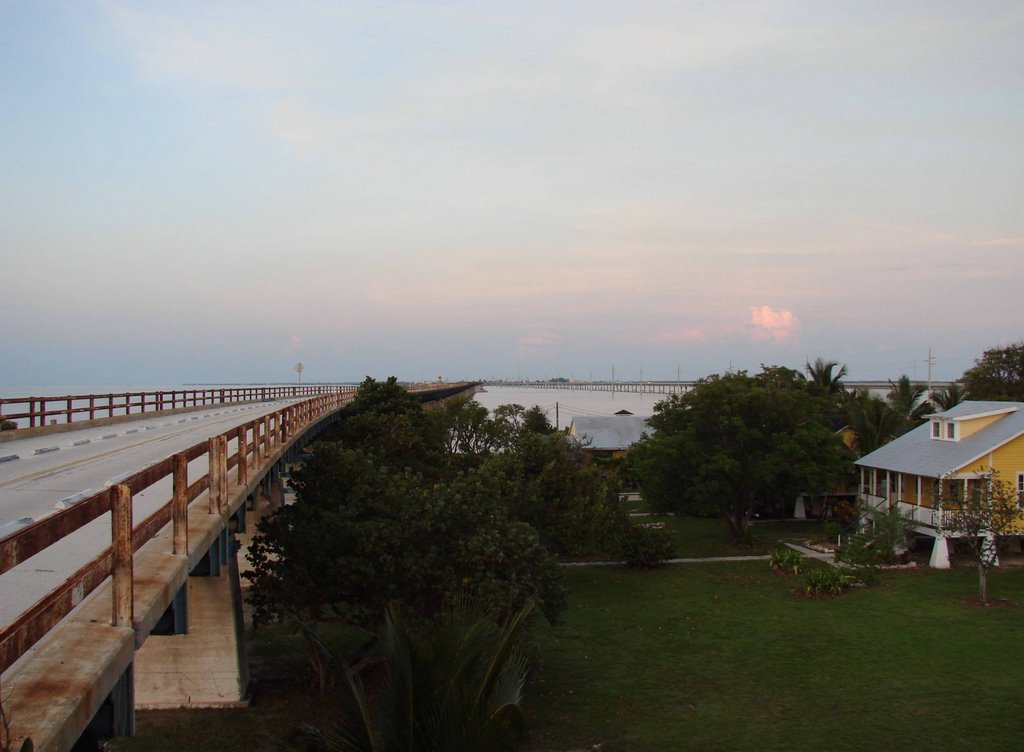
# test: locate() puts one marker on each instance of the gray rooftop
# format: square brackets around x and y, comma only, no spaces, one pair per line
[918,453]
[609,433]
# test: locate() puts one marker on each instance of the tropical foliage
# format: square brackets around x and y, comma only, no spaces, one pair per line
[450,684]
[986,515]
[736,442]
[948,397]
[997,375]
[909,400]
[827,374]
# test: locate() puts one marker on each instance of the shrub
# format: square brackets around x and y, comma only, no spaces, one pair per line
[845,513]
[643,547]
[8,425]
[786,560]
[860,551]
[828,581]
[832,531]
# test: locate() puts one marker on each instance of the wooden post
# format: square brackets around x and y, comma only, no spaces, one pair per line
[222,458]
[212,449]
[121,562]
[257,454]
[243,455]
[179,506]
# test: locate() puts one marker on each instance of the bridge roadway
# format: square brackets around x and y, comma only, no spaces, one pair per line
[55,470]
[80,655]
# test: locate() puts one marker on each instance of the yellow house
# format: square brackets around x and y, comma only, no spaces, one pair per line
[937,464]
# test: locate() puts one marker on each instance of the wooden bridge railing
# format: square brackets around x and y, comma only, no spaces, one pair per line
[37,411]
[256,442]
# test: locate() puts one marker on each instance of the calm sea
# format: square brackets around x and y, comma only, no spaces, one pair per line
[570,403]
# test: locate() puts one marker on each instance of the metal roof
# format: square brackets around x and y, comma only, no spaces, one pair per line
[918,453]
[608,433]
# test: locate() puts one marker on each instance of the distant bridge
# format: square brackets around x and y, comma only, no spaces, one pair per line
[667,387]
[91,648]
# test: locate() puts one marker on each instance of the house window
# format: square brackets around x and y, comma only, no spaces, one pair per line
[936,430]
[951,430]
[1020,490]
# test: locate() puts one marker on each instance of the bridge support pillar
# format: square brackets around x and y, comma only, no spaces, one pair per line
[207,666]
[116,716]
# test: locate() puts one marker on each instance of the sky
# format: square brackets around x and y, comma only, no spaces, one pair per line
[214,191]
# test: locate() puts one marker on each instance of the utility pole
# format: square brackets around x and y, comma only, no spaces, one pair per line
[556,416]
[613,379]
[931,360]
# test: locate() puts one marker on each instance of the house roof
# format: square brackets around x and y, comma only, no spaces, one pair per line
[918,453]
[608,433]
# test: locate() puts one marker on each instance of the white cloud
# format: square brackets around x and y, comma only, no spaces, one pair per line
[776,324]
[209,46]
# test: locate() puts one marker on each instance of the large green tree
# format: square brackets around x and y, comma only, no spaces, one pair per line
[735,442]
[997,375]
[545,481]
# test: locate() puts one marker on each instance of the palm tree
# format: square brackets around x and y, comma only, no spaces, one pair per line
[908,399]
[873,420]
[949,397]
[823,373]
[453,685]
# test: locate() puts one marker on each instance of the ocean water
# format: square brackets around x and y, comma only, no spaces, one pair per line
[570,403]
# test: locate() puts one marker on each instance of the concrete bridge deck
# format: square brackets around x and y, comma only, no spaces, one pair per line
[74,656]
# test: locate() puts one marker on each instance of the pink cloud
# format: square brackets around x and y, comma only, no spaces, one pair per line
[778,324]
[538,339]
[1000,242]
[687,334]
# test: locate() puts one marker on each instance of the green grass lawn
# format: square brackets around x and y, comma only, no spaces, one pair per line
[709,536]
[716,656]
[725,657]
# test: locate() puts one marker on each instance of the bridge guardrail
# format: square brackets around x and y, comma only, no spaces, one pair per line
[67,408]
[256,441]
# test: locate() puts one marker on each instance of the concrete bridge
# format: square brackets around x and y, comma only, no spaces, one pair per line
[668,387]
[153,617]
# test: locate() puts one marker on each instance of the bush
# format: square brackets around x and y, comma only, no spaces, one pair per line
[832,531]
[786,560]
[828,581]
[860,551]
[8,425]
[643,547]
[845,513]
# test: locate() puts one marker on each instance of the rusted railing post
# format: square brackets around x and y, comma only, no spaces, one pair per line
[222,452]
[216,465]
[179,505]
[243,455]
[121,564]
[257,453]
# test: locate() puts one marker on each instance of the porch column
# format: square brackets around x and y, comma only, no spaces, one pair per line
[940,553]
